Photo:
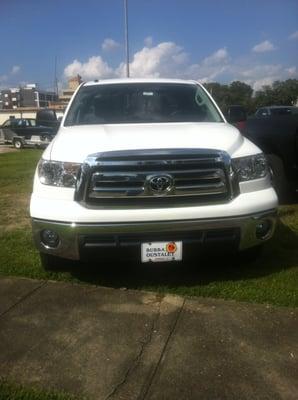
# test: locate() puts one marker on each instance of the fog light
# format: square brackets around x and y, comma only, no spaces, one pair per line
[49,238]
[263,228]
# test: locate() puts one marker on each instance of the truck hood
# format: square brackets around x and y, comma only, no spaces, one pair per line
[75,143]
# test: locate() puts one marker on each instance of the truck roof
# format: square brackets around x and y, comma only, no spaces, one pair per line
[274,107]
[138,80]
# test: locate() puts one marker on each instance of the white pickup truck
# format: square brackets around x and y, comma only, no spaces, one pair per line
[149,168]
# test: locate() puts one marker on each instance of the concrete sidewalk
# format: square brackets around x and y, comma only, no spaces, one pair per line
[114,344]
[4,148]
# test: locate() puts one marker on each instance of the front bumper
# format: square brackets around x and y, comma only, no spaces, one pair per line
[36,142]
[78,239]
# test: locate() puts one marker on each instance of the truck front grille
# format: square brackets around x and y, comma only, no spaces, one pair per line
[155,177]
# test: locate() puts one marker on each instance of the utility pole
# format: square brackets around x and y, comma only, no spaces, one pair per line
[55,78]
[126,37]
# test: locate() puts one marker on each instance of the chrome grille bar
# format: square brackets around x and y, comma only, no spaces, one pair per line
[111,185]
[193,173]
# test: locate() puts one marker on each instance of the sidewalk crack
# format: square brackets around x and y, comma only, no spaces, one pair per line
[30,293]
[144,343]
[151,379]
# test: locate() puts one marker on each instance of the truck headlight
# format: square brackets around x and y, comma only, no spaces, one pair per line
[57,173]
[251,167]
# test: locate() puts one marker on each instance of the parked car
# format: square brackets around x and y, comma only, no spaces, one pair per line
[48,117]
[23,132]
[264,112]
[277,135]
[149,169]
[237,115]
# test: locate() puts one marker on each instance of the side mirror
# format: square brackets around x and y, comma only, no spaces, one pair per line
[236,114]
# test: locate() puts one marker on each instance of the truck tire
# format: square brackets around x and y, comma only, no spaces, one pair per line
[52,263]
[18,144]
[279,178]
[251,255]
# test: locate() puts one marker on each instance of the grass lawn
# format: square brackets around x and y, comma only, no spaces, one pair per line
[13,391]
[273,278]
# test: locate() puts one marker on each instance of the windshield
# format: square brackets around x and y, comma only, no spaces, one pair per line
[141,103]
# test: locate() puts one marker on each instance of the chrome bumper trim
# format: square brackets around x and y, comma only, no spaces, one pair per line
[69,233]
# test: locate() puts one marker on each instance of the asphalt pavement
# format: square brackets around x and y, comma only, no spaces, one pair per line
[121,344]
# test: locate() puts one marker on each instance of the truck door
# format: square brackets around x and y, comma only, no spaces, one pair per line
[23,128]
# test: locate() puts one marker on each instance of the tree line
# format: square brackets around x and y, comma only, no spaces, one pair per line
[239,93]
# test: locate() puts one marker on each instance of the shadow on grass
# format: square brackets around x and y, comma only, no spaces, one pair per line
[280,254]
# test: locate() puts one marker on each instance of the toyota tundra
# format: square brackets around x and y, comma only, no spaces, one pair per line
[149,168]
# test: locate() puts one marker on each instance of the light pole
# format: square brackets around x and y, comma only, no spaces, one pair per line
[55,78]
[126,37]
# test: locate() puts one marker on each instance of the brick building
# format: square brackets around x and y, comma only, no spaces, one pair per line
[28,96]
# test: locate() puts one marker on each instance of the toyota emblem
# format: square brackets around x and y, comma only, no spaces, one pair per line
[160,184]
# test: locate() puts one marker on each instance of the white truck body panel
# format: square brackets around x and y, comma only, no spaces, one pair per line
[52,205]
[74,144]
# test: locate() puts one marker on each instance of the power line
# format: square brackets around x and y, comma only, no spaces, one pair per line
[126,37]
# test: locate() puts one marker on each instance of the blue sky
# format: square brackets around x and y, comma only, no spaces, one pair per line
[253,41]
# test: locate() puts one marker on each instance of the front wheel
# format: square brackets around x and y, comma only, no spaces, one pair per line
[279,178]
[18,144]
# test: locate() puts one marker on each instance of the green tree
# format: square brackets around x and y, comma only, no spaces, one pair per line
[220,93]
[239,93]
[280,93]
[236,93]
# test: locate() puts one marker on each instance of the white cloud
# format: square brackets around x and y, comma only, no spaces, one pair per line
[15,69]
[109,45]
[169,60]
[261,70]
[294,36]
[94,68]
[259,83]
[260,74]
[165,59]
[211,67]
[292,71]
[263,47]
[219,56]
[148,41]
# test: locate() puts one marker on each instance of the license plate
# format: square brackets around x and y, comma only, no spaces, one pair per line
[161,251]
